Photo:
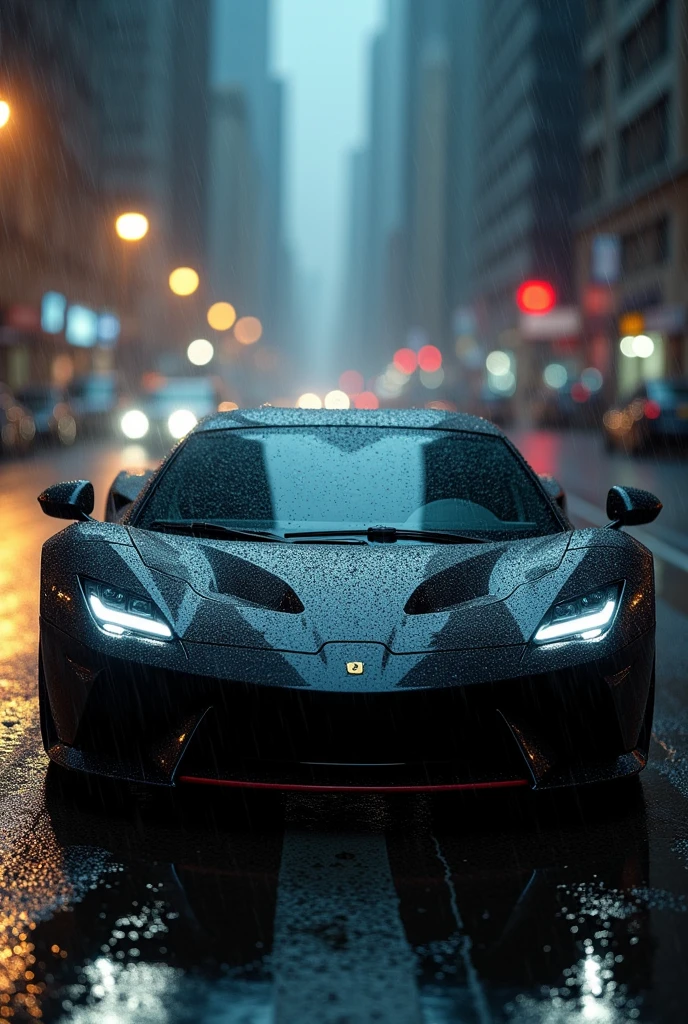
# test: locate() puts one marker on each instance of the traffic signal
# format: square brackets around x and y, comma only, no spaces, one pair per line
[536,297]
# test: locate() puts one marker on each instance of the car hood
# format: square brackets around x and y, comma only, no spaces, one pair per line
[300,597]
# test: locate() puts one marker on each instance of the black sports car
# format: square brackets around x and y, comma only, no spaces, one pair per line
[345,600]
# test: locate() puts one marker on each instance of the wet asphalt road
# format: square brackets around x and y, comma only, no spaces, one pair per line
[343,910]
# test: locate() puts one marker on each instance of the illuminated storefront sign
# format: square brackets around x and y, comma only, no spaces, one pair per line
[53,308]
[82,326]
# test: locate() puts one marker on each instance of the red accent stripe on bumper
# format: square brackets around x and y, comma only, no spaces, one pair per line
[314,788]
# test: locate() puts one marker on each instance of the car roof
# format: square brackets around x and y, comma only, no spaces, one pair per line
[268,416]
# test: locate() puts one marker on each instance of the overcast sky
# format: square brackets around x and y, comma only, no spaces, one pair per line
[320,47]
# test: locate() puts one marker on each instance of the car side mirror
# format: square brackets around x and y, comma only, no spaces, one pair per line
[629,506]
[71,500]
[554,490]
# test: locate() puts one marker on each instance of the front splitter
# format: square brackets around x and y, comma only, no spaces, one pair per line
[305,787]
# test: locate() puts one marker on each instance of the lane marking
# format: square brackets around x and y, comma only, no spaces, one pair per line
[475,988]
[340,952]
[592,514]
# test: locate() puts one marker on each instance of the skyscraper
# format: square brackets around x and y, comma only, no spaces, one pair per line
[527,147]
[416,214]
[234,253]
[374,295]
[52,217]
[240,67]
[151,76]
[634,142]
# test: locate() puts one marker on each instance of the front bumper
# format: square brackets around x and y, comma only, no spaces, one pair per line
[136,721]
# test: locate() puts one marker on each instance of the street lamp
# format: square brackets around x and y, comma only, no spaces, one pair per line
[131,227]
[4,113]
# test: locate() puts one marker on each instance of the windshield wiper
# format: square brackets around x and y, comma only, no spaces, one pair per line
[390,534]
[198,528]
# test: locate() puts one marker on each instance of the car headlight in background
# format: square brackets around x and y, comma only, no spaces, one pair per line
[584,618]
[118,612]
[134,424]
[180,423]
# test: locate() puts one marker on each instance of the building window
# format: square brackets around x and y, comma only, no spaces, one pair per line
[593,175]
[645,44]
[647,247]
[594,11]
[644,142]
[594,87]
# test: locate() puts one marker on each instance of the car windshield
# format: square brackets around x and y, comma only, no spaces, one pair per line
[351,478]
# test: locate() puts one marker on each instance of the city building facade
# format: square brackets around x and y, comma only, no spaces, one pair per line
[240,68]
[634,147]
[151,77]
[54,220]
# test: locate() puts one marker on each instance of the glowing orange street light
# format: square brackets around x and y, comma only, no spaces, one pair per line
[222,316]
[4,113]
[131,227]
[183,281]
[248,330]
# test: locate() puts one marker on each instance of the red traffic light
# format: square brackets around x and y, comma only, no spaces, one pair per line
[536,297]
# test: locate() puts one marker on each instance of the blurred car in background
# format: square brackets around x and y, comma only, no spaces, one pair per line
[93,399]
[498,409]
[169,407]
[52,414]
[654,415]
[553,410]
[17,427]
[572,406]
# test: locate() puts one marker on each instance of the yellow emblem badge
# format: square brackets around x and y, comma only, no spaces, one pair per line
[354,668]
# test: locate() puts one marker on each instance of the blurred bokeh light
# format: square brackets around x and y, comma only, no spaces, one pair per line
[432,378]
[222,316]
[200,352]
[366,400]
[131,227]
[183,281]
[352,382]
[248,330]
[337,400]
[309,400]
[134,424]
[555,376]
[498,363]
[405,361]
[180,423]
[430,358]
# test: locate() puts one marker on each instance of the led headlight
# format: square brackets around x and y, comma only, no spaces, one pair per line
[118,612]
[584,618]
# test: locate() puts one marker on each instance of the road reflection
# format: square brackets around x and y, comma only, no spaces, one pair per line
[148,910]
[165,910]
